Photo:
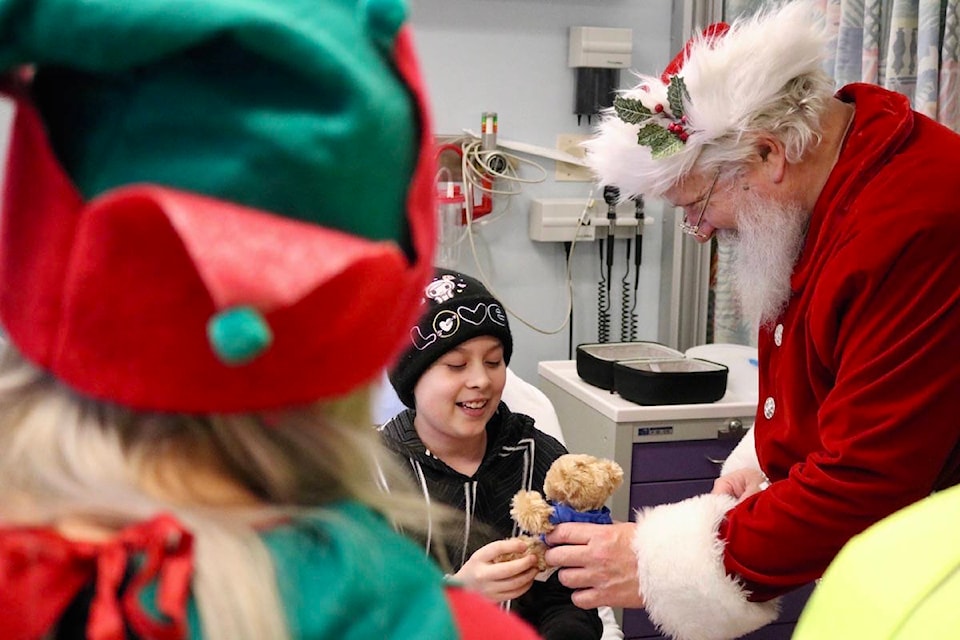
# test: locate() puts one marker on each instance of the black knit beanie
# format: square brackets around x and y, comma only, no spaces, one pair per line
[456,308]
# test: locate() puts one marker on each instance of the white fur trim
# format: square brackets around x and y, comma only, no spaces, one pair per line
[743,456]
[688,594]
[728,80]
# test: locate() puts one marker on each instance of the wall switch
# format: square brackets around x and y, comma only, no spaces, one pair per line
[566,172]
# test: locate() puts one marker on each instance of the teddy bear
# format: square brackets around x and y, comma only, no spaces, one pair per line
[574,490]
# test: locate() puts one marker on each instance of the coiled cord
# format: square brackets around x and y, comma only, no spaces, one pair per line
[634,321]
[628,320]
[603,302]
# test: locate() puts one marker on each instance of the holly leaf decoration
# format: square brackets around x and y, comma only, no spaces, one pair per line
[676,91]
[662,142]
[630,110]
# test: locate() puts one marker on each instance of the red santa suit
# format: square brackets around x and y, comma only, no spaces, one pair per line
[858,386]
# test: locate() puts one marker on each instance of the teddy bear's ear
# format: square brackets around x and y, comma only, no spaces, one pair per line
[613,471]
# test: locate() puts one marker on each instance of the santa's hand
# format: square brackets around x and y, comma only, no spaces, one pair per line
[499,581]
[598,561]
[741,484]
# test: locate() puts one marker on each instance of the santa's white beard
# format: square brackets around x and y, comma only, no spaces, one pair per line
[765,248]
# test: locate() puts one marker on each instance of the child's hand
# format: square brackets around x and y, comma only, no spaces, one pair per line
[499,581]
[741,484]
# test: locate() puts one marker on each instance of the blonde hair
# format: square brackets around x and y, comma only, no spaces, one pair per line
[66,456]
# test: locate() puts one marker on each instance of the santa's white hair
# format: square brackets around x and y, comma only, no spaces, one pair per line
[765,74]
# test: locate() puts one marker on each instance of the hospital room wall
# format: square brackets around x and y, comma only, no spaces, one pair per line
[510,56]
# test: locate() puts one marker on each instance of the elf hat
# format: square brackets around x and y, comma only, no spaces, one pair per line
[455,309]
[711,92]
[213,207]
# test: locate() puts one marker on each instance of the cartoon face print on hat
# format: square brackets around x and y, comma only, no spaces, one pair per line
[444,288]
[455,308]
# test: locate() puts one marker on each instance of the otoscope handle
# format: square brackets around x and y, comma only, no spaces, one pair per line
[611,195]
[638,204]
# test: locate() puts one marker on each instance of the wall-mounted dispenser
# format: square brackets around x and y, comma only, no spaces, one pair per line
[598,54]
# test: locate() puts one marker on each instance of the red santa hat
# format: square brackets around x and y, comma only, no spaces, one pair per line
[711,91]
[213,207]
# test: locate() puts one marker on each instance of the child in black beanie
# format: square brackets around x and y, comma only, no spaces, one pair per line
[466,449]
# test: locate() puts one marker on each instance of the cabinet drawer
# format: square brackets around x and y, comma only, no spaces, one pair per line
[665,472]
[774,631]
[650,494]
[636,624]
[679,460]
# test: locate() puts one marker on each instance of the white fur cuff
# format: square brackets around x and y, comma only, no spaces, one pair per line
[743,456]
[688,593]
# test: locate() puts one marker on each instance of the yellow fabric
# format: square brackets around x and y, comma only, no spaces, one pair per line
[899,579]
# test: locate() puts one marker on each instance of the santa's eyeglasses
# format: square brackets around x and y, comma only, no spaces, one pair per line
[694,229]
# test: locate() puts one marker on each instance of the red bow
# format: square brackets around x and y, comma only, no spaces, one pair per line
[41,573]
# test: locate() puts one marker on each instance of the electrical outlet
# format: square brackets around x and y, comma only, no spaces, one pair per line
[567,172]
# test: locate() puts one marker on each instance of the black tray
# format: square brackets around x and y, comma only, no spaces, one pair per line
[595,361]
[679,381]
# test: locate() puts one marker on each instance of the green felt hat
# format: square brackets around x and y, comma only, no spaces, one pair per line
[238,204]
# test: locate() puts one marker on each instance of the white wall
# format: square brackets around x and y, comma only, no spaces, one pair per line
[510,56]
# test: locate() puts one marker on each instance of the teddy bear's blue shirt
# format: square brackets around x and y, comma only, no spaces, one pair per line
[566,513]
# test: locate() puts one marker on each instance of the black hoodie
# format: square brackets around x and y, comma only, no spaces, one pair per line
[517,458]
